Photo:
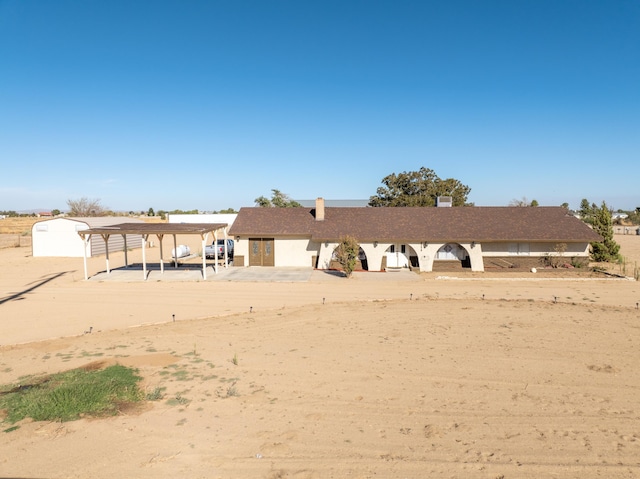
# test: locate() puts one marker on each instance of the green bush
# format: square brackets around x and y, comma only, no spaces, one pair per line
[346,254]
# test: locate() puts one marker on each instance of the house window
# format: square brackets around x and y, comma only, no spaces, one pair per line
[42,227]
[392,248]
[403,248]
[519,249]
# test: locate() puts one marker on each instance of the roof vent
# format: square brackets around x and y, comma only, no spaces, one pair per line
[444,201]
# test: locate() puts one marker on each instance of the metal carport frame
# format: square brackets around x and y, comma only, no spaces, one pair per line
[159,230]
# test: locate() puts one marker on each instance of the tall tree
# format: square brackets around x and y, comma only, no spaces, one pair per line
[418,188]
[608,249]
[86,207]
[278,200]
[586,211]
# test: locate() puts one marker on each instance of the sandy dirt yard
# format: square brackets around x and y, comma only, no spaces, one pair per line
[390,375]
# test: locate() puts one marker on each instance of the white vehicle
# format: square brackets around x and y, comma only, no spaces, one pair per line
[210,250]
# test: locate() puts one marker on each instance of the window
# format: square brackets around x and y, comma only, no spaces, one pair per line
[519,249]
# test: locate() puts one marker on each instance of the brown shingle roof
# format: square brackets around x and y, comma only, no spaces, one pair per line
[461,224]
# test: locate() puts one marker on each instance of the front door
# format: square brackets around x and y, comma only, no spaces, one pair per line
[261,252]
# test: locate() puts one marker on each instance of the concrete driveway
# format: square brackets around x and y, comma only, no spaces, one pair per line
[246,274]
[255,273]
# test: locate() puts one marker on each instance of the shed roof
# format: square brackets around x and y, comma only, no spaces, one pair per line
[461,224]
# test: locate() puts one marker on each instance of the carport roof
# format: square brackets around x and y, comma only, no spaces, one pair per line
[155,228]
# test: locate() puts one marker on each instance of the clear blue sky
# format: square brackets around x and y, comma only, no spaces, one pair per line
[210,104]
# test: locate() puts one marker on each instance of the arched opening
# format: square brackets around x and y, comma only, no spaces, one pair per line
[452,256]
[361,265]
[362,260]
[401,256]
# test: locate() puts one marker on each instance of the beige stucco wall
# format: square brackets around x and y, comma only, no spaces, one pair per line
[535,249]
[289,252]
[300,252]
[294,252]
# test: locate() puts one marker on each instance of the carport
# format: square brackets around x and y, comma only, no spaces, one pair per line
[159,230]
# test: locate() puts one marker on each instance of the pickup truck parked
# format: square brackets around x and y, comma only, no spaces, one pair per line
[214,251]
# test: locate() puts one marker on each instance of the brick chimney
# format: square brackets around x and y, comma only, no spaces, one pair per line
[319,209]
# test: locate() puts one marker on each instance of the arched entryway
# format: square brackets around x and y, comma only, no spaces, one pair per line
[452,256]
[401,256]
[361,265]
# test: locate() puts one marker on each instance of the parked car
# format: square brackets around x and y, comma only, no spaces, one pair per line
[210,250]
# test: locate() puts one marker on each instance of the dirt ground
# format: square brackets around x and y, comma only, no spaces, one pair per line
[381,375]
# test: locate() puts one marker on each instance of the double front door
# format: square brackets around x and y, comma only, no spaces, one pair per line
[261,252]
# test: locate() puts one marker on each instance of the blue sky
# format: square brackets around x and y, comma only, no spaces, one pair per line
[209,104]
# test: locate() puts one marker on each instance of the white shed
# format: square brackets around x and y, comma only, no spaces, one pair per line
[59,237]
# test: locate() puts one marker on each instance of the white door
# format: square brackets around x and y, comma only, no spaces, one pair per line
[397,256]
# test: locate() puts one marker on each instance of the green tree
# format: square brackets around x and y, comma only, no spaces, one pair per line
[586,211]
[346,254]
[278,200]
[565,205]
[608,249]
[56,212]
[151,212]
[534,203]
[418,188]
[86,207]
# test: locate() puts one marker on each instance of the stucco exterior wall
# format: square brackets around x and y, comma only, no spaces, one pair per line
[294,252]
[298,252]
[533,249]
[289,252]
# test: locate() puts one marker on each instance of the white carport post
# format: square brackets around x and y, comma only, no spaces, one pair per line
[126,258]
[226,248]
[85,242]
[204,255]
[105,237]
[175,250]
[160,236]
[215,249]
[144,256]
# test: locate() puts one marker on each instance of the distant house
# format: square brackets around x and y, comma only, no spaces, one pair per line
[59,237]
[423,238]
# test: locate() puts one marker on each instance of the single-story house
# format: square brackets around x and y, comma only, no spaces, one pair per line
[59,237]
[423,238]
